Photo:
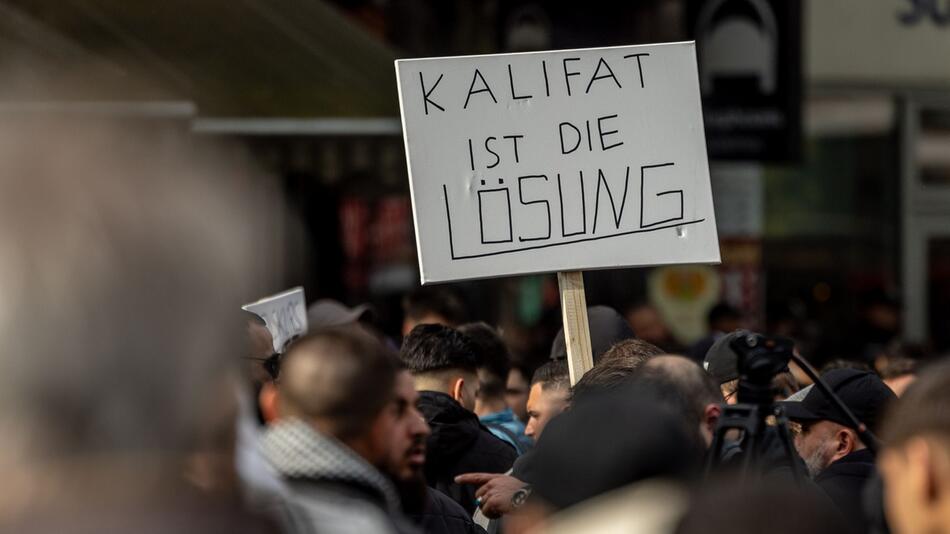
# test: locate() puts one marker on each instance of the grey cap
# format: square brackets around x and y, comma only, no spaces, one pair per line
[325,313]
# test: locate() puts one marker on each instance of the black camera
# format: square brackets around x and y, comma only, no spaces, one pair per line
[760,358]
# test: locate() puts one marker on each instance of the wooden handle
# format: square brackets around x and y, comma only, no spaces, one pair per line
[576,327]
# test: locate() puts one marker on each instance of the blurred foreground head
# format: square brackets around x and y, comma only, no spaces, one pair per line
[915,462]
[605,442]
[728,505]
[127,251]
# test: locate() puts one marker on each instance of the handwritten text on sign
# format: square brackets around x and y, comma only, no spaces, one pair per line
[284,315]
[555,161]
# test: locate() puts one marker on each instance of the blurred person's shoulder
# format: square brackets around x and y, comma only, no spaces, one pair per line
[189,513]
[653,506]
[334,508]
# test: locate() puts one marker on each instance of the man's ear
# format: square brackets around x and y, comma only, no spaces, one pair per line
[846,441]
[455,389]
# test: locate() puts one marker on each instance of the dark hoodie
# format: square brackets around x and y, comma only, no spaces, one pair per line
[459,444]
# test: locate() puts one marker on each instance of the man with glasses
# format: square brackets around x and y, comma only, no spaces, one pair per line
[839,462]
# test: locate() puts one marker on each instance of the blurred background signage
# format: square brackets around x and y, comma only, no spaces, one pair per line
[750,74]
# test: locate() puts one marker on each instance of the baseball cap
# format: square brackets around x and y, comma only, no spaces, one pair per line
[326,313]
[861,391]
[721,361]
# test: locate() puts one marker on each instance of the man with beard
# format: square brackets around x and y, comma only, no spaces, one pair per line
[549,397]
[428,507]
[395,444]
[445,369]
[837,459]
[342,425]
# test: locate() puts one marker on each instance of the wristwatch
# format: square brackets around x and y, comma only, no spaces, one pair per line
[521,496]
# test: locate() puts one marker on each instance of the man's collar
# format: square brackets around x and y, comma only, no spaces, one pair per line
[296,450]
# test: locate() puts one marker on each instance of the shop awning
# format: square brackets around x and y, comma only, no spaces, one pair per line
[241,59]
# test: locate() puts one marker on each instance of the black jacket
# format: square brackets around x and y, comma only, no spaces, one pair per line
[844,482]
[444,516]
[459,444]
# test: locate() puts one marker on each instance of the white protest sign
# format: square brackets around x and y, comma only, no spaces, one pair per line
[284,315]
[557,161]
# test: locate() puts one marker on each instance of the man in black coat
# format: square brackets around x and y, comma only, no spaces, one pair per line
[839,461]
[443,363]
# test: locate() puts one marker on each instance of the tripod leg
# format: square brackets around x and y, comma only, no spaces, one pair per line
[781,426]
[750,449]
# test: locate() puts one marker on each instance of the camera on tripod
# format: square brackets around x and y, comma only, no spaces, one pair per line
[760,421]
[759,359]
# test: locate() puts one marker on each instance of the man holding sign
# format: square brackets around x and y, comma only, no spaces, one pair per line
[557,162]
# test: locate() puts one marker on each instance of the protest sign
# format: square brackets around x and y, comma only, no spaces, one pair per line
[557,161]
[284,315]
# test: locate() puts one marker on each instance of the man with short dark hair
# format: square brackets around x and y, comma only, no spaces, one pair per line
[443,363]
[549,396]
[346,419]
[915,463]
[839,461]
[490,405]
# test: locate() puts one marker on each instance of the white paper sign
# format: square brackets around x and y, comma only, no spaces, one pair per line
[557,161]
[284,315]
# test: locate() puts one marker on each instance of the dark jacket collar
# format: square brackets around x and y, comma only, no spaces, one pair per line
[858,464]
[863,456]
[454,429]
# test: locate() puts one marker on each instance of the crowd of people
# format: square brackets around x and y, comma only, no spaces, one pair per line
[134,402]
[455,436]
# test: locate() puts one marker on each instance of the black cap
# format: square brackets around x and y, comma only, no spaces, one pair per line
[608,441]
[861,391]
[721,361]
[606,328]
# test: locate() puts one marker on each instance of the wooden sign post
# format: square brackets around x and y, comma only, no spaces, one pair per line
[580,359]
[558,161]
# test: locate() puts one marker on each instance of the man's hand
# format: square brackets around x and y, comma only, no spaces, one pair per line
[495,491]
